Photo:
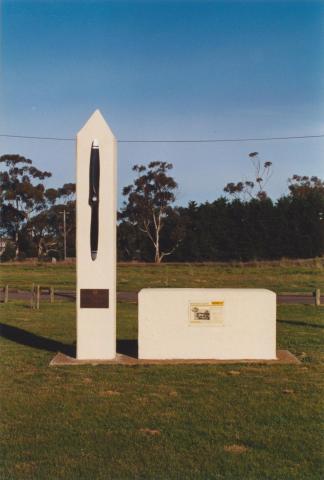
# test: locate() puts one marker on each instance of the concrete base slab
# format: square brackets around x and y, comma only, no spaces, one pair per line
[60,359]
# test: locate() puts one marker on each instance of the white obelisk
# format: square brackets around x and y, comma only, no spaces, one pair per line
[96,273]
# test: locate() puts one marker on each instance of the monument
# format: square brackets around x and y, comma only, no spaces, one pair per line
[96,240]
[190,324]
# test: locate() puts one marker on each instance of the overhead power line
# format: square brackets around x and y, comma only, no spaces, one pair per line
[199,140]
[218,140]
[57,139]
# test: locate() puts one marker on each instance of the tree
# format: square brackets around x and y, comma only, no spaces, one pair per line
[21,196]
[302,215]
[47,230]
[302,185]
[132,244]
[31,215]
[46,227]
[249,189]
[149,201]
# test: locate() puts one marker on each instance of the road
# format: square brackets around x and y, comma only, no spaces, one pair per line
[305,299]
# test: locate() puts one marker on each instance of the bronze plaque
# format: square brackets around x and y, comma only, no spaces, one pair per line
[94,298]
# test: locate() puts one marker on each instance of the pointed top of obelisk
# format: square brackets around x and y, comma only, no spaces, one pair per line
[96,123]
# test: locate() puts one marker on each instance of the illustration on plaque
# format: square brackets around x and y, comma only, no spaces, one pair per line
[206,313]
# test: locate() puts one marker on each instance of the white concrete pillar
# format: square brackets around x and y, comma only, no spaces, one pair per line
[96,273]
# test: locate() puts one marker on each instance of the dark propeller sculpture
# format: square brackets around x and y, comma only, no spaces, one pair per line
[94,180]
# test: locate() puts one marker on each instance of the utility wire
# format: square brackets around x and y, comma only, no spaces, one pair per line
[218,140]
[200,140]
[57,139]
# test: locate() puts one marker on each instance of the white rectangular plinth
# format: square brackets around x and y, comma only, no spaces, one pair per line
[193,323]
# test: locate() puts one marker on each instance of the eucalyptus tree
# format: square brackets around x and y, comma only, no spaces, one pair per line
[149,203]
[22,193]
[249,189]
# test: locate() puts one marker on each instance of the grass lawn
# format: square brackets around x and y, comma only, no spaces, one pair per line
[285,276]
[204,422]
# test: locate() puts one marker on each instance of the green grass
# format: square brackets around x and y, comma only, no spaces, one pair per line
[202,422]
[285,276]
[22,275]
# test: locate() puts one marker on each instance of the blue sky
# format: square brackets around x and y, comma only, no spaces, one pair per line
[167,69]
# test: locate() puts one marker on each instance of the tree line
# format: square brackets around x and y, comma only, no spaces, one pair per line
[31,215]
[243,224]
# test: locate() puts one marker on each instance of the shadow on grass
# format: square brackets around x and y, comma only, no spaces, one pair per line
[29,339]
[302,324]
[128,347]
[18,335]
